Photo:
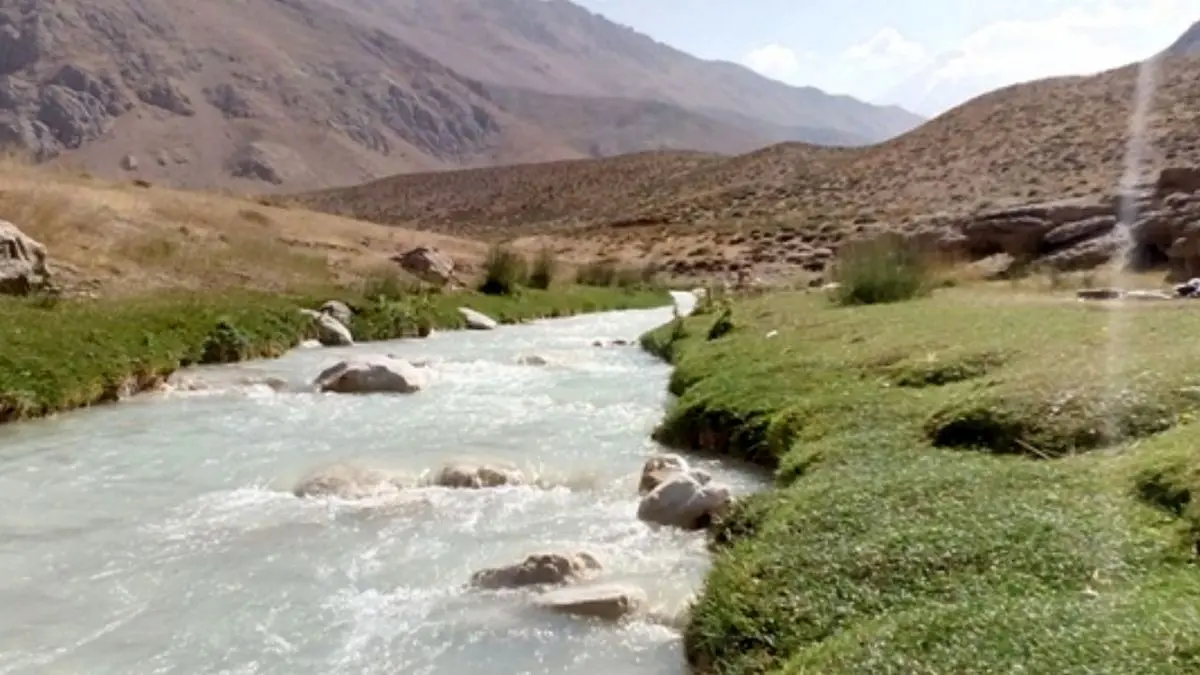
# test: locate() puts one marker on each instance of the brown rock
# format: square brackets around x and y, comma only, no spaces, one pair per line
[22,262]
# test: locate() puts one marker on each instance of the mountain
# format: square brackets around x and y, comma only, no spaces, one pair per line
[1053,139]
[1188,43]
[264,95]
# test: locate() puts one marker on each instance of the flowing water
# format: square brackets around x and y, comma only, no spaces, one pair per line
[160,535]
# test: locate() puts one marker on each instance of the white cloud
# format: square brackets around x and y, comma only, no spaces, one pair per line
[1086,37]
[886,50]
[775,61]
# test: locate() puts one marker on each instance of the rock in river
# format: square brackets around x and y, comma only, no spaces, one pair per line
[473,475]
[684,501]
[610,602]
[538,569]
[379,375]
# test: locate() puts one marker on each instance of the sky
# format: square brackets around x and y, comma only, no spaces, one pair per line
[919,53]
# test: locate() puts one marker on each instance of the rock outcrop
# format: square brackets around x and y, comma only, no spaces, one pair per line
[22,262]
[539,569]
[1083,234]
[371,376]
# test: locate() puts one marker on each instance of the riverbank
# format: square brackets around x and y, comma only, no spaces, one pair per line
[57,356]
[959,488]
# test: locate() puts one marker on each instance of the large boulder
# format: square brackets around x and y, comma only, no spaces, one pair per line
[610,602]
[22,262]
[477,320]
[473,475]
[684,501]
[427,264]
[539,569]
[371,376]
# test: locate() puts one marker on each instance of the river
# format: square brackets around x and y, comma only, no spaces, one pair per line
[160,535]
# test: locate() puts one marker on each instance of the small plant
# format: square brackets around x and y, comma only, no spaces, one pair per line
[545,269]
[883,270]
[225,344]
[722,326]
[504,271]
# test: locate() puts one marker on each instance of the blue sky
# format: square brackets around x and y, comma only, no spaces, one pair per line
[879,49]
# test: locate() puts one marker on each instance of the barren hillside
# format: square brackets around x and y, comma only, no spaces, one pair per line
[558,47]
[1047,140]
[263,95]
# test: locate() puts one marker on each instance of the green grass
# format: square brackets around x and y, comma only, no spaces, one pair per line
[56,356]
[959,489]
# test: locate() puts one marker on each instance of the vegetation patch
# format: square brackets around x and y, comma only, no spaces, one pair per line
[939,369]
[885,269]
[878,551]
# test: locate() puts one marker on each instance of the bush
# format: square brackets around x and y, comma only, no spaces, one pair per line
[504,271]
[883,270]
[545,269]
[225,344]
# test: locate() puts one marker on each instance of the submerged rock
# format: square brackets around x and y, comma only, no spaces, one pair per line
[344,481]
[539,569]
[684,501]
[609,602]
[374,376]
[532,360]
[477,320]
[470,475]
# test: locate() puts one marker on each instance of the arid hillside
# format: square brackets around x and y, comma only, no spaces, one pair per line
[556,46]
[118,238]
[1048,140]
[268,95]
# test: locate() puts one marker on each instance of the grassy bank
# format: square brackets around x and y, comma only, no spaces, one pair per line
[57,356]
[959,488]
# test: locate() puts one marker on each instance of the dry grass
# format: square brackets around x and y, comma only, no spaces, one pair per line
[116,238]
[1057,138]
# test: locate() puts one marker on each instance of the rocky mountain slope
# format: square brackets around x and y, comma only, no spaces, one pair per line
[559,47]
[1061,138]
[258,95]
[1188,43]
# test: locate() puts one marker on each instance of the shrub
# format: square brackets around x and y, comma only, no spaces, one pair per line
[883,270]
[545,269]
[504,271]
